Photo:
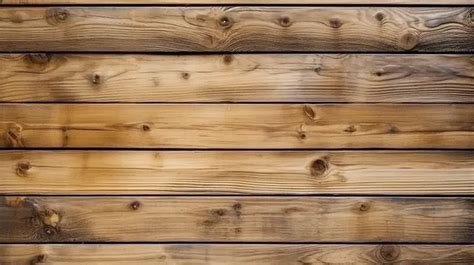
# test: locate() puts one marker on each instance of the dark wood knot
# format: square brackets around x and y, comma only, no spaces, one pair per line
[50,231]
[318,168]
[22,168]
[379,16]
[135,205]
[285,21]
[335,23]
[56,16]
[389,253]
[225,22]
[228,59]
[365,206]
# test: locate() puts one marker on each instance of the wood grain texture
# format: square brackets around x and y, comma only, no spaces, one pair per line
[203,29]
[235,254]
[239,2]
[230,172]
[236,219]
[237,125]
[236,78]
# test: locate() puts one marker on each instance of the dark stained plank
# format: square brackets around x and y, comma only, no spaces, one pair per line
[203,29]
[231,172]
[236,78]
[235,254]
[236,219]
[237,125]
[237,2]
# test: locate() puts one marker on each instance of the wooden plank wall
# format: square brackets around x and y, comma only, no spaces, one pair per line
[236,132]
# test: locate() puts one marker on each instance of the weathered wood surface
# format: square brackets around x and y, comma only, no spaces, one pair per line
[236,219]
[231,172]
[239,2]
[202,29]
[235,254]
[237,125]
[236,78]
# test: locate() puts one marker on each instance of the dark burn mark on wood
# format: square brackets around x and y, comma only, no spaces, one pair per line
[22,168]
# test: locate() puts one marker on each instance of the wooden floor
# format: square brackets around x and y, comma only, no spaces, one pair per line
[239,132]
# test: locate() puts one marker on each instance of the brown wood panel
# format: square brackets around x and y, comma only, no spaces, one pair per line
[237,78]
[231,172]
[202,29]
[237,125]
[235,254]
[236,219]
[227,2]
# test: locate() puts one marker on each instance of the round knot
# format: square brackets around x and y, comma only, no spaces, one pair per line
[135,205]
[365,206]
[389,253]
[22,168]
[225,22]
[335,23]
[379,16]
[49,230]
[318,168]
[228,59]
[285,21]
[56,16]
[409,40]
[96,79]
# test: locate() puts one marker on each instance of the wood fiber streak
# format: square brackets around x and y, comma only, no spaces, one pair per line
[237,125]
[204,29]
[236,78]
[239,2]
[236,254]
[234,172]
[236,219]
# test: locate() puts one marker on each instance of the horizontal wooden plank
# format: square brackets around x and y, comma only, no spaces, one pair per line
[230,172]
[203,29]
[235,254]
[236,219]
[239,2]
[236,78]
[237,125]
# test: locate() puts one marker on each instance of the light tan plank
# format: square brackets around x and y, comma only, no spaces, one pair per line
[237,125]
[235,254]
[237,2]
[235,219]
[236,78]
[202,29]
[230,172]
